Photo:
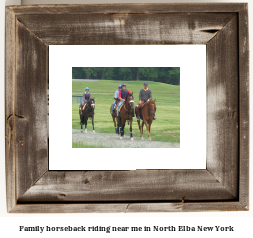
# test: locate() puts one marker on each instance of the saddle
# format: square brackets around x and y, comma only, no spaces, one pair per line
[82,108]
[121,106]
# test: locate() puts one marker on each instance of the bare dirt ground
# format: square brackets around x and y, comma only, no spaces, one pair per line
[112,140]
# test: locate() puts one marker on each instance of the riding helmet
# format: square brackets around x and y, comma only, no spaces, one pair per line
[87,88]
[123,85]
[120,86]
[145,84]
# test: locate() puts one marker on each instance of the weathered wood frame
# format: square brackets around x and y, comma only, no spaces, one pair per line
[223,186]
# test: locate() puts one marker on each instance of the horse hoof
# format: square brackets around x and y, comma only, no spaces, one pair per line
[142,138]
[149,139]
[81,131]
[121,138]
[132,138]
[85,131]
[93,131]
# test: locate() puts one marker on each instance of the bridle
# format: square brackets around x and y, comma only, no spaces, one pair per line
[130,101]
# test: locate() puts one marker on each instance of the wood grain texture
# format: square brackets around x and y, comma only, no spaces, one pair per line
[139,185]
[128,207]
[244,106]
[155,8]
[133,29]
[30,108]
[223,107]
[9,108]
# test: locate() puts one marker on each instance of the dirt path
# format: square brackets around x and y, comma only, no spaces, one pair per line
[112,140]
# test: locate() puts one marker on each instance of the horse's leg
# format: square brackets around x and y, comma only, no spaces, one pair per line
[81,124]
[146,123]
[113,118]
[85,122]
[123,129]
[93,124]
[149,129]
[142,130]
[119,125]
[131,133]
[117,131]
[122,124]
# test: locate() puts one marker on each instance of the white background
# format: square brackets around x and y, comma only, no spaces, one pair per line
[192,62]
[9,222]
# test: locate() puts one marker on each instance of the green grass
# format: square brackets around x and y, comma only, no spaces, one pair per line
[166,128]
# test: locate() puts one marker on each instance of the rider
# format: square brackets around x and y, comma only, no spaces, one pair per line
[122,96]
[86,96]
[116,95]
[144,95]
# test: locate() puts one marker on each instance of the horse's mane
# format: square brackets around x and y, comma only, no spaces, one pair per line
[150,100]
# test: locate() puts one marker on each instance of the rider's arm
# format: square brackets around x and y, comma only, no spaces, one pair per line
[116,95]
[150,94]
[119,96]
[128,91]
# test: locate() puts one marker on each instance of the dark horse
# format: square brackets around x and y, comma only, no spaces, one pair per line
[85,112]
[126,113]
[114,115]
[148,113]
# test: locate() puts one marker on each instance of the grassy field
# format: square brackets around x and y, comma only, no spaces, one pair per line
[166,128]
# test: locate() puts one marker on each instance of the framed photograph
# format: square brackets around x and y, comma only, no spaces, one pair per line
[193,58]
[171,88]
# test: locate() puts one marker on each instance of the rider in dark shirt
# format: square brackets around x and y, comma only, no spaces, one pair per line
[144,95]
[122,96]
[86,96]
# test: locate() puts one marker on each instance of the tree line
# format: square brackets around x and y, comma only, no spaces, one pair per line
[169,75]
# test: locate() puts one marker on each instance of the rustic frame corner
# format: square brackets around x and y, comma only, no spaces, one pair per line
[223,186]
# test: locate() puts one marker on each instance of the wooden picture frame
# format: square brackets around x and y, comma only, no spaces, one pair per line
[222,186]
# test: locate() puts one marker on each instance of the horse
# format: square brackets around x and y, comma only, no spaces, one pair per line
[114,115]
[126,113]
[85,112]
[148,113]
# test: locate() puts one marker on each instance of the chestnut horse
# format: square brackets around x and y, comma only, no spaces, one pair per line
[114,115]
[85,113]
[148,113]
[126,113]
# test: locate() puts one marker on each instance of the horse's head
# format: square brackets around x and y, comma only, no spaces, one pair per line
[92,103]
[151,106]
[130,99]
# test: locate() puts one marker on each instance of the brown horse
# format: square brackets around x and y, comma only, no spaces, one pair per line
[114,115]
[126,113]
[85,113]
[148,113]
